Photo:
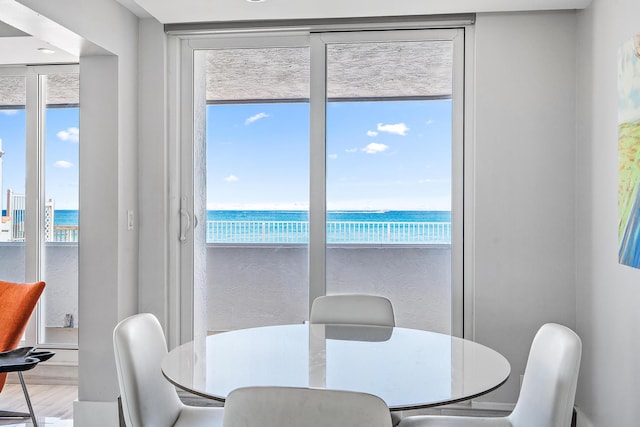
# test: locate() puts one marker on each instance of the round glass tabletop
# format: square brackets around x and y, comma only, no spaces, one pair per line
[407,368]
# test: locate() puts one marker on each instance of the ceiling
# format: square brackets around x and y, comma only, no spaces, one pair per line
[184,11]
[19,48]
[426,72]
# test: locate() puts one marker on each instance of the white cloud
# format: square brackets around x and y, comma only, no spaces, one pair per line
[351,150]
[255,118]
[9,112]
[332,156]
[231,178]
[397,129]
[429,121]
[374,148]
[63,164]
[71,134]
[372,133]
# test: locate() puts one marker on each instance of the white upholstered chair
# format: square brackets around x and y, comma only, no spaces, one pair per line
[148,399]
[548,387]
[303,407]
[356,309]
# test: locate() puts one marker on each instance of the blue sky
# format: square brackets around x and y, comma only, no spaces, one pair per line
[61,155]
[380,155]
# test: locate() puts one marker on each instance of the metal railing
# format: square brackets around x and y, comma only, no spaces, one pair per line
[337,232]
[64,233]
[298,232]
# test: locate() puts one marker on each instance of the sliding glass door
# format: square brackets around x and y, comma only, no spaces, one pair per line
[389,121]
[257,186]
[333,165]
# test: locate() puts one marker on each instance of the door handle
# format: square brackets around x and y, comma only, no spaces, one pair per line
[185,219]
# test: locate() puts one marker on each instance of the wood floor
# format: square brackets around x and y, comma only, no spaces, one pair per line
[53,404]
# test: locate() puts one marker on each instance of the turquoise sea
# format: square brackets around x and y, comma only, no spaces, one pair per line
[251,226]
[70,217]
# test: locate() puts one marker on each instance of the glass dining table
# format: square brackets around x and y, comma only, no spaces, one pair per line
[407,368]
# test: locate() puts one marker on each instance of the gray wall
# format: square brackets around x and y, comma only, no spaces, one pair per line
[608,293]
[524,182]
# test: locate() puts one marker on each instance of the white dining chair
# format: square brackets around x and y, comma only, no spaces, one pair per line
[303,407]
[356,309]
[548,387]
[148,399]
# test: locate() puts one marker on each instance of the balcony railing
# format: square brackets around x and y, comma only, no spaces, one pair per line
[65,233]
[298,232]
[337,232]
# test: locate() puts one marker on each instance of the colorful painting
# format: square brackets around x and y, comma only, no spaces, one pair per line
[629,152]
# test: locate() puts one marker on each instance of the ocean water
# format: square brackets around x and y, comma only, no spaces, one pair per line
[70,217]
[332,216]
[250,226]
[65,217]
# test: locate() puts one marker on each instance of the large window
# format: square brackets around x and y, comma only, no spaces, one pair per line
[333,165]
[39,118]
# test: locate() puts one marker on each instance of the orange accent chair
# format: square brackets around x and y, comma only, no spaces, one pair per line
[17,302]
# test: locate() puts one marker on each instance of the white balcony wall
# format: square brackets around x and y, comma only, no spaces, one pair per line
[417,280]
[62,278]
[62,284]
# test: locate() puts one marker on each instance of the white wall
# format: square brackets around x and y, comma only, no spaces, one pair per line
[524,182]
[152,173]
[608,293]
[108,258]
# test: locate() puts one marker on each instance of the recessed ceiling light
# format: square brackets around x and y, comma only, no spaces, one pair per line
[256,1]
[45,50]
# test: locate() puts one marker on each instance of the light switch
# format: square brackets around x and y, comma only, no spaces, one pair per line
[129,220]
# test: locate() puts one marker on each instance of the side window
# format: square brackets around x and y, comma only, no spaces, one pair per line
[39,133]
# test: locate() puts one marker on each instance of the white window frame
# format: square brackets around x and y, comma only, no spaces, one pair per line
[182,48]
[35,191]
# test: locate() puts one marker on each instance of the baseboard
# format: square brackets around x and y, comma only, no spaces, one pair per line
[95,414]
[581,419]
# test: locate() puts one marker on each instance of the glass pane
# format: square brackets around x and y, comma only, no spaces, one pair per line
[59,306]
[12,178]
[389,177]
[257,187]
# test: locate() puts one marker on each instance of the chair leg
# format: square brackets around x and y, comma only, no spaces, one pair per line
[14,414]
[26,396]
